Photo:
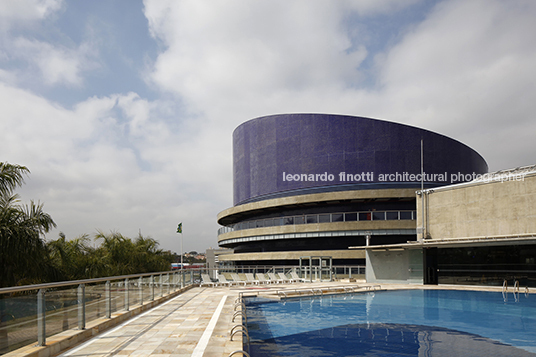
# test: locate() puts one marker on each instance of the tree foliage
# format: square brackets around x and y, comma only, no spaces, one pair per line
[25,257]
[116,255]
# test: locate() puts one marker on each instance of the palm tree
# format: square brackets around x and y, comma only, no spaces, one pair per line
[11,176]
[23,257]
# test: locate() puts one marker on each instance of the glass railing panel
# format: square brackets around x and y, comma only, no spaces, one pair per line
[390,216]
[95,301]
[350,217]
[378,216]
[337,217]
[18,326]
[312,218]
[406,215]
[324,218]
[61,308]
[365,216]
[299,220]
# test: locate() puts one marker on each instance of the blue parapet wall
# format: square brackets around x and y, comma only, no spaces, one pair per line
[291,154]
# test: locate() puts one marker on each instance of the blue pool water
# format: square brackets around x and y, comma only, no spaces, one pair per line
[431,323]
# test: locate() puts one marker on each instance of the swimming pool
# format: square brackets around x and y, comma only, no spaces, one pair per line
[395,323]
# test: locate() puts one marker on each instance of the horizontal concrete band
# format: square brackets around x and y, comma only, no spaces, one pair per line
[325,197]
[358,228]
[335,254]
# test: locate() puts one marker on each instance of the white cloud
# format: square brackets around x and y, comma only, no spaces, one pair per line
[56,64]
[466,71]
[15,12]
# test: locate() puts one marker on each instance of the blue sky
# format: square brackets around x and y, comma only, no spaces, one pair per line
[124,110]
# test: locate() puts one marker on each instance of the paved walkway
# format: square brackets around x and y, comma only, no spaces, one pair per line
[195,323]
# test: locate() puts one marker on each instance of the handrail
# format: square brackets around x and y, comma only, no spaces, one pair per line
[238,325]
[15,289]
[239,351]
[284,221]
[505,285]
[240,304]
[238,313]
[238,331]
[516,286]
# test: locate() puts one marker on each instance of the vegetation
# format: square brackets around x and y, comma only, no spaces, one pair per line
[25,257]
[21,228]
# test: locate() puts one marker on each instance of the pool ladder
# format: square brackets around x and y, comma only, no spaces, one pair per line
[239,328]
[515,290]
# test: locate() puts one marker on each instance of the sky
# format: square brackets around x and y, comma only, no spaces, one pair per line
[124,110]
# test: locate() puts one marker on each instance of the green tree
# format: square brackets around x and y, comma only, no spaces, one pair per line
[75,258]
[122,256]
[23,256]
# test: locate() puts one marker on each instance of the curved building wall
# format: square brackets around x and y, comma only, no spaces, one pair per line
[324,149]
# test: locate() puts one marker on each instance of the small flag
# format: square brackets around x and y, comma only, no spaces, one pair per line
[179,228]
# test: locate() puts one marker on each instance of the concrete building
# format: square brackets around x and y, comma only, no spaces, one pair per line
[479,232]
[316,184]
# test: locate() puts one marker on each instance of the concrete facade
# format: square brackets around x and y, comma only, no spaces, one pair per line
[481,232]
[480,209]
[394,265]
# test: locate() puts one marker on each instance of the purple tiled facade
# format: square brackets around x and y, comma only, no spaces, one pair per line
[324,149]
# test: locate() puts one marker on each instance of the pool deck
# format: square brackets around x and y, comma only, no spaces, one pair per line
[197,322]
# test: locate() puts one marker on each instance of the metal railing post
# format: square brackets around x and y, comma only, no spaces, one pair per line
[161,286]
[152,287]
[81,307]
[140,289]
[126,295]
[168,284]
[108,297]
[41,329]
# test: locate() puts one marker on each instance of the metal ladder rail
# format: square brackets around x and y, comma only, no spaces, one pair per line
[240,328]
